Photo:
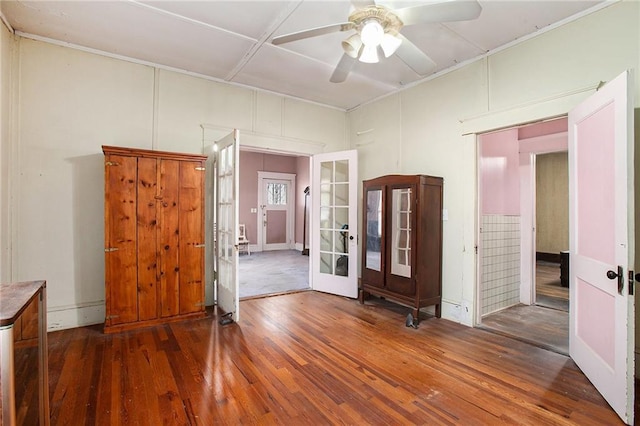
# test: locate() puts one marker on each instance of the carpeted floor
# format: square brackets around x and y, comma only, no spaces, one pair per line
[272,272]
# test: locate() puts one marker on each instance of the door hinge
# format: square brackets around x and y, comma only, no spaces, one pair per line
[632,278]
[111,249]
[111,163]
[200,169]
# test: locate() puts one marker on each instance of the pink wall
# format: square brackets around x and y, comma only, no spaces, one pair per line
[302,181]
[499,173]
[542,129]
[250,164]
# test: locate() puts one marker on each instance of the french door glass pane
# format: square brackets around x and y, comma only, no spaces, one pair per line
[334,217]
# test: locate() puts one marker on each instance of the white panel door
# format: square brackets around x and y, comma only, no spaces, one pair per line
[277,211]
[227,224]
[334,224]
[601,209]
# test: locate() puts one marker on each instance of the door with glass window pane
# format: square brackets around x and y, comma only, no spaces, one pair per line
[334,237]
[277,200]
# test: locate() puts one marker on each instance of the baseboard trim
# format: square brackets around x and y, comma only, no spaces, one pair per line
[548,257]
[64,317]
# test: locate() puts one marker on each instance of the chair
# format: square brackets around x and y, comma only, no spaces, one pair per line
[243,242]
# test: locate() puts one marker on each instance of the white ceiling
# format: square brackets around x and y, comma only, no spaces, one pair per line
[231,40]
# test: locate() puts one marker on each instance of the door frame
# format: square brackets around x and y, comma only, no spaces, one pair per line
[473,127]
[291,202]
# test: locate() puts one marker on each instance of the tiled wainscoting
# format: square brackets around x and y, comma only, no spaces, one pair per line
[500,262]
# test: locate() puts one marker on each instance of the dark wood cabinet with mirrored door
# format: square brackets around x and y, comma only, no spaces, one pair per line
[402,245]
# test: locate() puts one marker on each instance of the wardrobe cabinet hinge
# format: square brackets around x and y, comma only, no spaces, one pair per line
[201,169]
[198,245]
[110,249]
[199,304]
[112,316]
[111,163]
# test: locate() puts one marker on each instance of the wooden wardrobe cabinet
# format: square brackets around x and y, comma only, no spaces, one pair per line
[154,237]
[402,246]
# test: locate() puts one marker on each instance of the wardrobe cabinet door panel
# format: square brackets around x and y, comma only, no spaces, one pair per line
[120,252]
[191,237]
[147,240]
[169,181]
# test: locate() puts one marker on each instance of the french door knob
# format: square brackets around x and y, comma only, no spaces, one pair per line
[611,275]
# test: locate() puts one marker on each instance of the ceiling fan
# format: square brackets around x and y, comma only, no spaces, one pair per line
[377,30]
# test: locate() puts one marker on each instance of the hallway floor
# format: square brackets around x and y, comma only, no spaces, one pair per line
[272,272]
[545,324]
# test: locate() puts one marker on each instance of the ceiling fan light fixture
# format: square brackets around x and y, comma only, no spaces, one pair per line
[390,44]
[352,45]
[369,54]
[372,33]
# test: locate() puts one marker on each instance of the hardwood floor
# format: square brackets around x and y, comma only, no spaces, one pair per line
[313,358]
[548,280]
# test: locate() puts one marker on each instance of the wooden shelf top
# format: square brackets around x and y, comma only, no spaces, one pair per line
[15,297]
[149,153]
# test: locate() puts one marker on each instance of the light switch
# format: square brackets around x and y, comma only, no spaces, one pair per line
[254,210]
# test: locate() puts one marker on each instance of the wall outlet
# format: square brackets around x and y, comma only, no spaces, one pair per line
[254,210]
[466,312]
[455,312]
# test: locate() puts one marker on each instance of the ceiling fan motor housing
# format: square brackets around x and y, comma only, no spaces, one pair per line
[386,18]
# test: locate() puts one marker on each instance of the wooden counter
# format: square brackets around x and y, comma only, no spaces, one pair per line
[14,300]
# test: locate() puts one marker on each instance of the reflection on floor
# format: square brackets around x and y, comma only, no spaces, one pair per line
[549,292]
[545,324]
[272,272]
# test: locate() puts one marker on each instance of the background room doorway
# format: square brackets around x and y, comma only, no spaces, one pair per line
[272,209]
[552,230]
[523,181]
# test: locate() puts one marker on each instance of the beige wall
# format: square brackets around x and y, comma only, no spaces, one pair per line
[430,128]
[6,48]
[552,202]
[70,104]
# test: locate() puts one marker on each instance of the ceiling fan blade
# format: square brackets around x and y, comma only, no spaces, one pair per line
[441,11]
[342,69]
[314,32]
[415,58]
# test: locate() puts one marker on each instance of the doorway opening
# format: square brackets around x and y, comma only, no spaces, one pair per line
[524,229]
[271,208]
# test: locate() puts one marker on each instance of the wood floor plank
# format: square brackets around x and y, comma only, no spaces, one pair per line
[312,358]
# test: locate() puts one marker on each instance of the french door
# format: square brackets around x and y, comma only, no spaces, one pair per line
[601,209]
[227,224]
[334,237]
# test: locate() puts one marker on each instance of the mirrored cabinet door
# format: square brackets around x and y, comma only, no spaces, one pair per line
[373,226]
